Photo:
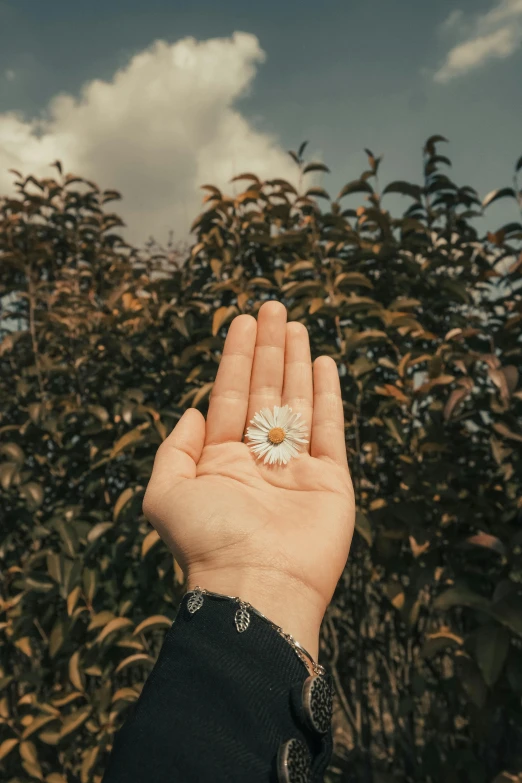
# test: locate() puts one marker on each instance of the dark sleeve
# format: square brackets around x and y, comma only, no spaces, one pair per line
[223,706]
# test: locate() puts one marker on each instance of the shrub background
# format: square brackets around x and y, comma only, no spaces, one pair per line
[104,348]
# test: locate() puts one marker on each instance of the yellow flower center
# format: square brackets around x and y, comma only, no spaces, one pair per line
[276,435]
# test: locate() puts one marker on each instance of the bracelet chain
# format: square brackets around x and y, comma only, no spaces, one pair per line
[242,620]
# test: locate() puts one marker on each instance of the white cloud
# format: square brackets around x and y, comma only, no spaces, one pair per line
[477,51]
[164,125]
[496,34]
[453,19]
[9,75]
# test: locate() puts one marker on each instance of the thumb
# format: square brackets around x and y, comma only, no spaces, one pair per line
[179,453]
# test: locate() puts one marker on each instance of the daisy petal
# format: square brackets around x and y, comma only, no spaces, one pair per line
[286,414]
[269,416]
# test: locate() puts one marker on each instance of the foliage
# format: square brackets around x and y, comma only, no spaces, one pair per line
[103,348]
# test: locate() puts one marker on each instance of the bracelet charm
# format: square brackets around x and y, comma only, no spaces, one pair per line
[242,621]
[242,618]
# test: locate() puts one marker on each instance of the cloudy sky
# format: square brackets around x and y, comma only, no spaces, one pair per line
[157,98]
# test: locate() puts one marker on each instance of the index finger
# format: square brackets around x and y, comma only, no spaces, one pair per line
[228,403]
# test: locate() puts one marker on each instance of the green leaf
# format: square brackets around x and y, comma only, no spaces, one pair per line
[315,167]
[491,643]
[508,611]
[357,186]
[56,638]
[8,471]
[460,596]
[471,679]
[364,527]
[458,289]
[33,493]
[317,192]
[247,175]
[89,579]
[404,188]
[429,147]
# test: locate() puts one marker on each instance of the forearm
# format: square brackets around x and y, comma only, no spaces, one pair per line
[217,706]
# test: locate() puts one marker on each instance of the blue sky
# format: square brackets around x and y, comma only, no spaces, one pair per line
[343,75]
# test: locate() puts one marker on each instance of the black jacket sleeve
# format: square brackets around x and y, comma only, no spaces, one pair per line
[225,707]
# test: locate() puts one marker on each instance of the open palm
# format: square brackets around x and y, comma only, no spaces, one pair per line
[223,513]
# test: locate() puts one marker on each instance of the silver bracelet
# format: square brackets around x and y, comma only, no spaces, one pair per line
[242,620]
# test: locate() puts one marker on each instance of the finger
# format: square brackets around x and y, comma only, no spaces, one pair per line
[266,385]
[298,390]
[328,439]
[177,457]
[228,404]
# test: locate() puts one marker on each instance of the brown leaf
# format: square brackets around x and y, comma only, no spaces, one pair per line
[98,530]
[201,393]
[221,316]
[499,379]
[488,542]
[37,724]
[7,746]
[456,397]
[113,625]
[24,645]
[439,641]
[75,674]
[156,621]
[130,438]
[502,429]
[75,720]
[148,542]
[137,658]
[315,305]
[89,759]
[352,279]
[418,549]
[442,380]
[122,501]
[125,694]
[510,373]
[389,390]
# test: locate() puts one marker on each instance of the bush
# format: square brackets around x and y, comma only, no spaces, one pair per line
[103,348]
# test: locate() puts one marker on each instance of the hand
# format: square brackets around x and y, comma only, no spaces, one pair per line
[277,536]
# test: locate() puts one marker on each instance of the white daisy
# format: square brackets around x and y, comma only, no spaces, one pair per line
[276,434]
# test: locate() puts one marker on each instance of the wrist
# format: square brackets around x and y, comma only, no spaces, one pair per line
[290,606]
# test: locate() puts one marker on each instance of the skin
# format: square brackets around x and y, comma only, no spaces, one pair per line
[277,536]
